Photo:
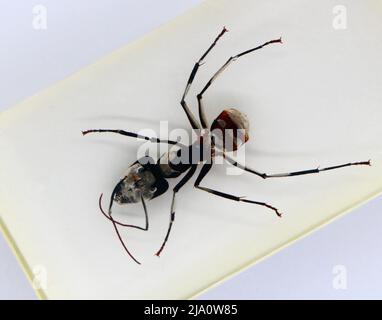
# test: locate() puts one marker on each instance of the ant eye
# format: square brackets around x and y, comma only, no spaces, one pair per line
[140,169]
[153,189]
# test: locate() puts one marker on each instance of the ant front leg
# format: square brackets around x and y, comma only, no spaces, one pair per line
[203,172]
[134,135]
[181,183]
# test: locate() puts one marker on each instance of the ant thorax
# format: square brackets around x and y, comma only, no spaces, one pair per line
[138,181]
[230,129]
[179,159]
[165,161]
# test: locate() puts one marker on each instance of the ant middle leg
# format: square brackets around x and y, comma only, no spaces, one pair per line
[203,172]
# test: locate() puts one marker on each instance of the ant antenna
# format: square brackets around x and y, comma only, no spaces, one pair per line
[116,221]
[115,224]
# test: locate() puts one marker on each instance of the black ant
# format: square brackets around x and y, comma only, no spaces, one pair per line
[147,179]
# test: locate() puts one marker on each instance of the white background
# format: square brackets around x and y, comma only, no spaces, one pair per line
[80,32]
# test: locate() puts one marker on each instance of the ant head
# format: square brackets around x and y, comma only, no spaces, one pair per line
[231,129]
[140,180]
[126,192]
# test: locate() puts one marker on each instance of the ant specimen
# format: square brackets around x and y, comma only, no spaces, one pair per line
[147,179]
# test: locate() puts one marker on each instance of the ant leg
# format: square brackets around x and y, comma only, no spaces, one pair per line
[182,182]
[191,117]
[317,170]
[124,224]
[133,135]
[203,172]
[242,167]
[225,65]
[295,173]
